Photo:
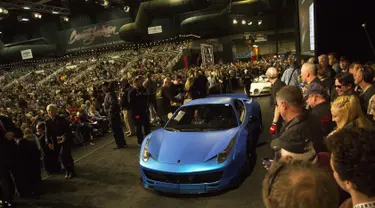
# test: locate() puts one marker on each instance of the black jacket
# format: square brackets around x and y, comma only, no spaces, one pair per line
[58,127]
[275,88]
[138,101]
[304,127]
[124,101]
[111,106]
[322,112]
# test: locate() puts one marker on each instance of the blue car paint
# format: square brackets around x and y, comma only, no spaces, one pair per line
[186,153]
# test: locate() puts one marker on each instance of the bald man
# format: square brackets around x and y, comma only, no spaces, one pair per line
[273,77]
[309,75]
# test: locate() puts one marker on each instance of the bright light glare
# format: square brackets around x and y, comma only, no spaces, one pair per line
[1,10]
[54,12]
[25,19]
[250,23]
[243,22]
[234,21]
[26,7]
[259,22]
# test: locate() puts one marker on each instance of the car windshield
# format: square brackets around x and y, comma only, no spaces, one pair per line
[196,118]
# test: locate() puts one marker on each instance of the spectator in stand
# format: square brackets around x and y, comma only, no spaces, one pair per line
[299,124]
[290,75]
[344,85]
[277,84]
[353,162]
[363,78]
[315,98]
[324,63]
[299,185]
[334,63]
[344,64]
[347,113]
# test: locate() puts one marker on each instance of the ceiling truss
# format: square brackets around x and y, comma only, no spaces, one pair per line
[34,6]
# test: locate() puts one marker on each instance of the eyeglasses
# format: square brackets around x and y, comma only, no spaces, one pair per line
[338,86]
[272,178]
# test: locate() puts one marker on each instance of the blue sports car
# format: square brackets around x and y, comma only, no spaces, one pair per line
[205,146]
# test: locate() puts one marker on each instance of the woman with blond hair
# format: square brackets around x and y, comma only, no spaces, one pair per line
[347,113]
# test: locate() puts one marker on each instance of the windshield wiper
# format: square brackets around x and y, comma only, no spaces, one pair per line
[171,129]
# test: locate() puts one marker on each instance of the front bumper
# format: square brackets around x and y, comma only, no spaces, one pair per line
[196,183]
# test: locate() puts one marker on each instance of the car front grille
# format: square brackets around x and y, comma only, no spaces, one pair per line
[184,178]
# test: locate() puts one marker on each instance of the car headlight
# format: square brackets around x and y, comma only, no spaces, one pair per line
[146,154]
[222,156]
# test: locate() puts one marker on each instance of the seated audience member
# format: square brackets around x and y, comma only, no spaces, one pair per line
[299,185]
[347,113]
[344,85]
[353,163]
[364,78]
[315,98]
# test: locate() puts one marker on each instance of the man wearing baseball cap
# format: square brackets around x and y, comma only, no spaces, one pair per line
[316,99]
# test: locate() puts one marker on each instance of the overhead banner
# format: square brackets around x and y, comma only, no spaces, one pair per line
[155,30]
[27,54]
[207,52]
[92,36]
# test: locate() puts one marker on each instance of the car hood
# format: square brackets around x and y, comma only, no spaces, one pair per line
[188,147]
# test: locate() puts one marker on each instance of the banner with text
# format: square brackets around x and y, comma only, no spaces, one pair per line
[92,36]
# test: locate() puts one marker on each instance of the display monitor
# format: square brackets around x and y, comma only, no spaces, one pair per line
[307,26]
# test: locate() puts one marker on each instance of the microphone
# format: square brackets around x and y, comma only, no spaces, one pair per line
[369,38]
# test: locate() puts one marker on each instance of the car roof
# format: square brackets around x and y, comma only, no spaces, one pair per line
[210,100]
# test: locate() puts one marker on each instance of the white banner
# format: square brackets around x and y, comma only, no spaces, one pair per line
[155,30]
[207,52]
[27,54]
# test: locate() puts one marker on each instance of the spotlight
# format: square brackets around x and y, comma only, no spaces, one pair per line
[65,19]
[1,32]
[243,22]
[126,8]
[25,20]
[259,22]
[1,10]
[54,12]
[37,16]
[235,21]
[250,23]
[27,8]
[105,3]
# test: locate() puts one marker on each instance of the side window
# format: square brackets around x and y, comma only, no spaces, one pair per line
[240,108]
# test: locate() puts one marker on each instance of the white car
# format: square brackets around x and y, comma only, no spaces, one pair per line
[260,86]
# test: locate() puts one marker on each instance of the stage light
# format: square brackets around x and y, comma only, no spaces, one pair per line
[54,12]
[1,10]
[105,3]
[243,22]
[126,9]
[27,8]
[250,23]
[65,19]
[37,16]
[259,22]
[1,32]
[25,19]
[234,21]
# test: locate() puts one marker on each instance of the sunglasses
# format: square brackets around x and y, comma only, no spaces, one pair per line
[272,178]
[338,86]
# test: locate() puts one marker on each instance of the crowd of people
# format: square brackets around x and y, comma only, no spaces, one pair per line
[323,135]
[60,106]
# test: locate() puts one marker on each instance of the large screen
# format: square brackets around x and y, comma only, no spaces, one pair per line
[307,26]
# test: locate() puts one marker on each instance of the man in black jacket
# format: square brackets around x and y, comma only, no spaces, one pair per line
[299,124]
[124,102]
[60,137]
[315,98]
[138,103]
[7,154]
[112,109]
